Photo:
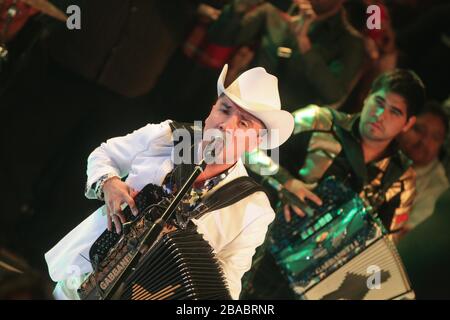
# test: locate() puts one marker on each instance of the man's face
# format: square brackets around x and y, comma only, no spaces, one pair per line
[240,129]
[423,142]
[384,116]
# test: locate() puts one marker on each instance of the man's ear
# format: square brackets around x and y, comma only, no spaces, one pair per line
[260,138]
[409,124]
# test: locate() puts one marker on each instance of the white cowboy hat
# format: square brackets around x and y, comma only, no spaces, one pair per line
[256,91]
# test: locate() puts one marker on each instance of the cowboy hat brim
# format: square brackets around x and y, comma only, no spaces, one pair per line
[279,123]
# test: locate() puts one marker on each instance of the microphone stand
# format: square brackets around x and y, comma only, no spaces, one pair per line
[151,235]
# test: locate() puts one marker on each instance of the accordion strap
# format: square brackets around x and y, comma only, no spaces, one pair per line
[229,194]
[226,195]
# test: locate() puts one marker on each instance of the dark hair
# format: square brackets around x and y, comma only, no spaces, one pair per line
[405,83]
[436,109]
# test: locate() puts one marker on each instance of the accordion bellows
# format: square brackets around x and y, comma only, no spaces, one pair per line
[351,281]
[180,266]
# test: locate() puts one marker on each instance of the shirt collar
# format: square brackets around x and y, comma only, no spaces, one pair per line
[236,171]
[214,181]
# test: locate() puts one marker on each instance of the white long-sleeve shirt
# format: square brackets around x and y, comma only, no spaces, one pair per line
[234,232]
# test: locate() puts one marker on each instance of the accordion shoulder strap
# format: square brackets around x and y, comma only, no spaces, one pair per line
[229,194]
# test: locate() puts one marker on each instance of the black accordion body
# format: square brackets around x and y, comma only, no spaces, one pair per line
[179,265]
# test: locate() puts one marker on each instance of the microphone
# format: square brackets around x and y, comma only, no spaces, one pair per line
[213,148]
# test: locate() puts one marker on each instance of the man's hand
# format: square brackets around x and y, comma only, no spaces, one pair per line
[306,9]
[302,192]
[301,23]
[116,192]
[208,12]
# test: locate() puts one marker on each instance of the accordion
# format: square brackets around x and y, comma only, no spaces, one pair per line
[339,252]
[376,273]
[179,265]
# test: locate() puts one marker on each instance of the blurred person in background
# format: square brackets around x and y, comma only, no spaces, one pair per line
[316,53]
[379,45]
[424,145]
